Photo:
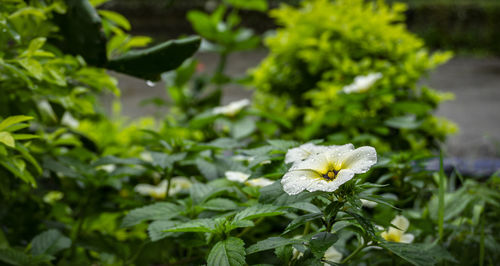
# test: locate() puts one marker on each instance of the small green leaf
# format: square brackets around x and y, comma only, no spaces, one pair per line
[49,242]
[207,169]
[7,139]
[219,204]
[166,161]
[156,230]
[257,211]
[257,5]
[157,211]
[199,225]
[283,145]
[320,242]
[272,243]
[229,252]
[405,122]
[116,18]
[11,120]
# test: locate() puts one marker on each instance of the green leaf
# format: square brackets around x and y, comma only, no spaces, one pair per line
[320,242]
[115,160]
[207,169]
[49,242]
[258,5]
[7,139]
[10,165]
[229,252]
[365,223]
[283,145]
[417,254]
[299,221]
[156,230]
[272,243]
[11,120]
[274,194]
[166,161]
[219,204]
[116,18]
[157,211]
[199,225]
[81,28]
[405,122]
[14,257]
[149,63]
[242,128]
[257,211]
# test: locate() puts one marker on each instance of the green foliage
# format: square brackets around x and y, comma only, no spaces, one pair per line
[322,47]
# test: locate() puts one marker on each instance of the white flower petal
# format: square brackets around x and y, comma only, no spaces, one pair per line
[360,160]
[295,181]
[337,154]
[401,222]
[368,203]
[362,83]
[333,255]
[259,182]
[232,108]
[318,163]
[303,152]
[237,176]
[407,238]
[343,176]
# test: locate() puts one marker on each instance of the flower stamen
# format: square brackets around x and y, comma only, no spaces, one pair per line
[330,175]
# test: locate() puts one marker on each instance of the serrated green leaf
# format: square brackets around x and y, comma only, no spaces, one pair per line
[274,194]
[198,225]
[156,230]
[257,211]
[416,254]
[272,243]
[49,242]
[14,257]
[242,128]
[207,169]
[283,145]
[229,252]
[320,242]
[219,204]
[299,221]
[157,211]
[166,161]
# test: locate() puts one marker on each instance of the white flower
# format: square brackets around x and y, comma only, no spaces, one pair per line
[237,176]
[231,109]
[303,152]
[362,83]
[398,235]
[159,191]
[368,203]
[241,177]
[333,255]
[69,120]
[328,169]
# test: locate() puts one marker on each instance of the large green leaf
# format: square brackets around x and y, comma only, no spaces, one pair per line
[149,63]
[11,120]
[229,252]
[320,242]
[49,242]
[418,254]
[199,225]
[81,28]
[157,211]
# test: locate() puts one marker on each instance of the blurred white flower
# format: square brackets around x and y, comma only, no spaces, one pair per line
[159,191]
[398,235]
[328,169]
[237,176]
[368,203]
[333,255]
[362,83]
[231,109]
[241,177]
[69,120]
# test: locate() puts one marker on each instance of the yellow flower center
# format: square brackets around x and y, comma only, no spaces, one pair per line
[330,175]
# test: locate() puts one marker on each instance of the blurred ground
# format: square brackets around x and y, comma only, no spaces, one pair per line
[474,81]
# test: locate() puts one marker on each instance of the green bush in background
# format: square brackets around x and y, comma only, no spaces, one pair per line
[322,47]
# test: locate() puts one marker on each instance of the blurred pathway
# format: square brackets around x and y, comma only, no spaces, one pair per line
[474,81]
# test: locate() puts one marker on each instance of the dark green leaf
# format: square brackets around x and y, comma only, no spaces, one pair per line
[272,243]
[199,225]
[229,252]
[156,230]
[157,211]
[151,62]
[49,242]
[320,242]
[299,221]
[257,211]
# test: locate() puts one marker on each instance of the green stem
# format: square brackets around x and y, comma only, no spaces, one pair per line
[354,253]
[168,176]
[306,228]
[250,228]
